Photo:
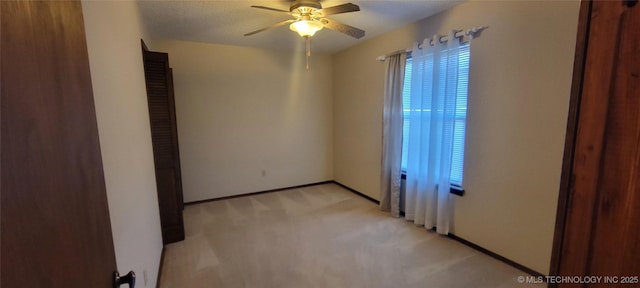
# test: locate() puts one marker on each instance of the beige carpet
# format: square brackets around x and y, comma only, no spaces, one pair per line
[319,236]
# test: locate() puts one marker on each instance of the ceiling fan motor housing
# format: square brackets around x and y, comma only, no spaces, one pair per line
[305,4]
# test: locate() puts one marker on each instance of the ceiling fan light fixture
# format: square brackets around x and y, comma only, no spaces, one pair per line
[306,28]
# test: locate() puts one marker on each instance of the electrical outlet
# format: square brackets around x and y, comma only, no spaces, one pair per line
[264,173]
[144,277]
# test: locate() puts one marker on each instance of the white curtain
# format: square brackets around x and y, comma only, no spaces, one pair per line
[392,134]
[432,116]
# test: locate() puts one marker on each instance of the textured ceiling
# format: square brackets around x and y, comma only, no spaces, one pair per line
[225,22]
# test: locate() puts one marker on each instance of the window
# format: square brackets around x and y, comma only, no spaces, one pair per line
[457,161]
[406,98]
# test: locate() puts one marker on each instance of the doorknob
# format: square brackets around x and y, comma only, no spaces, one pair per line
[130,279]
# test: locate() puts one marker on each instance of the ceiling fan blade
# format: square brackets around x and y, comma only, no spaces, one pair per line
[269,8]
[270,27]
[344,8]
[342,28]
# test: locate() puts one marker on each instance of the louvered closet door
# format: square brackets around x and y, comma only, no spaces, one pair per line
[165,144]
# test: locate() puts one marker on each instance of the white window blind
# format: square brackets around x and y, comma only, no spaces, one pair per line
[406,93]
[457,161]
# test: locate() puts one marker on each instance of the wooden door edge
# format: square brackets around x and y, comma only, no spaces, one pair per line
[564,196]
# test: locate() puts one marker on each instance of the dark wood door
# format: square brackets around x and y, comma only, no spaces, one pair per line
[164,134]
[599,212]
[54,216]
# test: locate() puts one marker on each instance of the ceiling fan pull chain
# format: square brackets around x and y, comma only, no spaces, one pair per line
[308,42]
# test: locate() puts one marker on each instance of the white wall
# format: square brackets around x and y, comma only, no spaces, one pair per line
[242,112]
[519,89]
[113,38]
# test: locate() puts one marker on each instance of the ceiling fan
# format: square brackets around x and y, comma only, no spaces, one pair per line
[310,17]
